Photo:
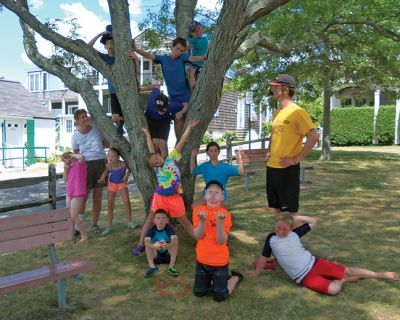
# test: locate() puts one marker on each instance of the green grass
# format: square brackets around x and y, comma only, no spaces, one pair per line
[356,198]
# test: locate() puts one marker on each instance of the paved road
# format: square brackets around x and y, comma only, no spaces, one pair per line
[39,191]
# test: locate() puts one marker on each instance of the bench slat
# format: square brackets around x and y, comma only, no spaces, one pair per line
[254,155]
[32,278]
[35,230]
[16,221]
[36,241]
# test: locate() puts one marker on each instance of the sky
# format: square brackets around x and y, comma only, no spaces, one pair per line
[92,16]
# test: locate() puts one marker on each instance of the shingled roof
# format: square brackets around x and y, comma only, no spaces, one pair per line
[15,100]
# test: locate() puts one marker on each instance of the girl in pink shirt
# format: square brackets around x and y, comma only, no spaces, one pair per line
[75,179]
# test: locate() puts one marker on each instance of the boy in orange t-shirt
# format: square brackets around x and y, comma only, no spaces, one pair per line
[212,224]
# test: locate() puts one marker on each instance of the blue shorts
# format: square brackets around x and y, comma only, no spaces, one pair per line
[181,98]
[211,277]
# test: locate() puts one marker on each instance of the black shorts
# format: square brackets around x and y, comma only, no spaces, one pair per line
[115,106]
[283,188]
[159,129]
[95,169]
[210,277]
[162,257]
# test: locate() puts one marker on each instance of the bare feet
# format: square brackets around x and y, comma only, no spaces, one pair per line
[391,276]
[83,240]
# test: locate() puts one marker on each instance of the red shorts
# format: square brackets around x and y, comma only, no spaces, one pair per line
[321,275]
[173,205]
[115,187]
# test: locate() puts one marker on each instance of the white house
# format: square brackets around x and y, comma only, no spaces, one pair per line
[27,126]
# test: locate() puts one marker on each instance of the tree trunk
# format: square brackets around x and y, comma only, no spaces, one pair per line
[326,132]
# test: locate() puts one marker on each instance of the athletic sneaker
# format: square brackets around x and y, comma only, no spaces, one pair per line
[172,271]
[120,129]
[137,251]
[106,232]
[151,272]
[132,225]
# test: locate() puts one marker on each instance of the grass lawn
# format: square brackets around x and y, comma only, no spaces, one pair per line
[356,198]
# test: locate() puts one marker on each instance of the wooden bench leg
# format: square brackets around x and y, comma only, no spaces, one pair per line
[301,175]
[247,182]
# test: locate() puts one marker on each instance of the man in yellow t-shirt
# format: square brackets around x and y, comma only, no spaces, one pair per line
[290,125]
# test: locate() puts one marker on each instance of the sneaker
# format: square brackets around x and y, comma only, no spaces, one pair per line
[151,272]
[132,225]
[77,233]
[106,231]
[137,251]
[96,229]
[172,271]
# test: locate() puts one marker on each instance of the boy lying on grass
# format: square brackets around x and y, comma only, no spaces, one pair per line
[307,270]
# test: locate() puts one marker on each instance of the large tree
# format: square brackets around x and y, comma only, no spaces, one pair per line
[326,44]
[231,29]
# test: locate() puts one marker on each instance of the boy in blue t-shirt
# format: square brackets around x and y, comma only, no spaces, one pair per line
[198,43]
[214,169]
[161,244]
[173,69]
[108,41]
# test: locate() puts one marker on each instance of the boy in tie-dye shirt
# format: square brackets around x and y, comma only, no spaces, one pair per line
[167,195]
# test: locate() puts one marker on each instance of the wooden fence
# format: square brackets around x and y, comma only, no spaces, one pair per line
[24,182]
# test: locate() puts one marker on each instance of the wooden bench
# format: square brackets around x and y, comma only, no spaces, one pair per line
[31,230]
[259,155]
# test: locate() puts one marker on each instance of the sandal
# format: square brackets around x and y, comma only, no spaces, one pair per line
[96,229]
[237,273]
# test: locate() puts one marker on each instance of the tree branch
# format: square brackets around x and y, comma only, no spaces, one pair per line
[260,40]
[77,47]
[259,8]
[184,12]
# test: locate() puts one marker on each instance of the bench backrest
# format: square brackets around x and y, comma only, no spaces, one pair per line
[31,230]
[253,155]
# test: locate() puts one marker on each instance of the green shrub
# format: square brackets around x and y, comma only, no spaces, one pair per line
[355,125]
[352,126]
[229,134]
[266,129]
[207,138]
[386,125]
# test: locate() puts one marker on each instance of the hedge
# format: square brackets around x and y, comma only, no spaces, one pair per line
[355,125]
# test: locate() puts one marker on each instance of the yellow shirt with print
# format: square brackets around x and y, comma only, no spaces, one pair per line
[289,127]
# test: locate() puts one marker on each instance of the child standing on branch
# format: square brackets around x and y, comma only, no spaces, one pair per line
[167,195]
[198,42]
[173,69]
[117,172]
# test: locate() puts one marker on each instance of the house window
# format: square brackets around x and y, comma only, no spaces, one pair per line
[71,108]
[146,65]
[69,126]
[34,81]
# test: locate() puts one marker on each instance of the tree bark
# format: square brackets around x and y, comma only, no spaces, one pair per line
[326,132]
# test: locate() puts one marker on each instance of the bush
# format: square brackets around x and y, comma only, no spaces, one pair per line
[355,125]
[207,138]
[266,129]
[229,134]
[352,126]
[386,125]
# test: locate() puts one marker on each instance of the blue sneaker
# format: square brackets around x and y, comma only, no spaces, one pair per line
[137,251]
[151,272]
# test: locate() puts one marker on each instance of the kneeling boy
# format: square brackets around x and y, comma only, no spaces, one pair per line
[161,245]
[212,224]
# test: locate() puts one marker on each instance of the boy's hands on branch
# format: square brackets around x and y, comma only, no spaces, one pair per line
[193,122]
